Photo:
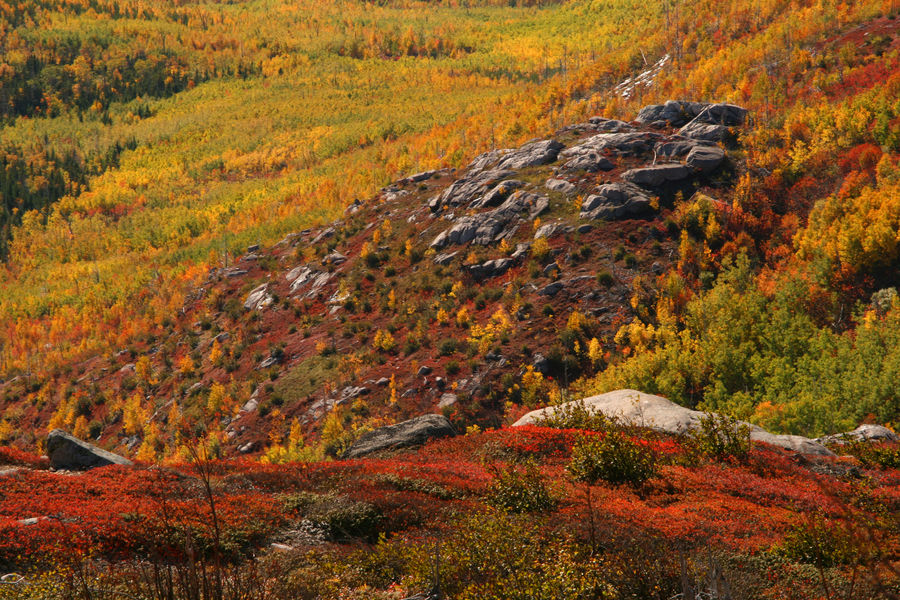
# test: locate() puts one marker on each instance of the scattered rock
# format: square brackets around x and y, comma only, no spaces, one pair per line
[68,453]
[383,382]
[247,448]
[551,269]
[252,248]
[615,201]
[491,268]
[350,392]
[419,177]
[656,412]
[549,230]
[222,337]
[335,258]
[424,371]
[559,185]
[413,432]
[445,259]
[128,369]
[251,405]
[656,175]
[259,298]
[531,155]
[269,361]
[522,249]
[492,226]
[447,400]
[541,364]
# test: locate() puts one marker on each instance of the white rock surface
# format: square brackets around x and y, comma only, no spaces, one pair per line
[661,414]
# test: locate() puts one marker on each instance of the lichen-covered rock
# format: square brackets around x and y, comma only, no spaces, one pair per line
[498,194]
[413,432]
[67,452]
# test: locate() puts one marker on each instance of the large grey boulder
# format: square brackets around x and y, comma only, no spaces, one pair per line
[658,413]
[615,201]
[705,158]
[531,155]
[673,112]
[705,131]
[657,175]
[67,452]
[413,432]
[863,433]
[729,115]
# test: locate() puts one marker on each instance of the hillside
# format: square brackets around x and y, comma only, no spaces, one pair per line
[307,269]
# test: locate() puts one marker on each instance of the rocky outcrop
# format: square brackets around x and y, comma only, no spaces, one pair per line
[67,452]
[624,144]
[492,226]
[706,132]
[677,113]
[491,268]
[590,161]
[498,194]
[705,158]
[615,201]
[259,298]
[304,277]
[413,432]
[531,155]
[463,191]
[658,413]
[657,175]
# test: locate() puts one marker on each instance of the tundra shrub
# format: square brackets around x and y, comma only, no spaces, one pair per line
[823,543]
[720,437]
[520,490]
[614,458]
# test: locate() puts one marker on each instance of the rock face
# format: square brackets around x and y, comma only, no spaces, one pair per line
[68,453]
[656,412]
[615,201]
[414,432]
